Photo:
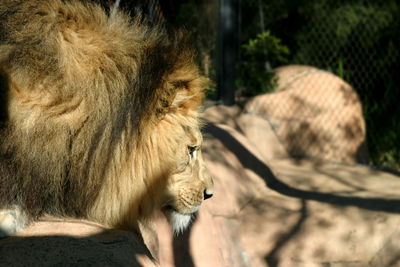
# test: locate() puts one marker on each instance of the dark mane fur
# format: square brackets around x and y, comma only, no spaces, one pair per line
[76,89]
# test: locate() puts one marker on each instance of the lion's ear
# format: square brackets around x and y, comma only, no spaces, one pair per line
[189,94]
[182,96]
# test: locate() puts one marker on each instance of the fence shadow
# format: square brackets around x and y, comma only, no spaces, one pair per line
[249,161]
[181,249]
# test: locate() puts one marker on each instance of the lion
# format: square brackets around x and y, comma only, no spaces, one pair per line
[100,118]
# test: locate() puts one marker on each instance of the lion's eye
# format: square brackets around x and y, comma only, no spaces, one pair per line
[192,151]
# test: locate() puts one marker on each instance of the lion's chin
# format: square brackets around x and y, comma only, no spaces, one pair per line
[179,221]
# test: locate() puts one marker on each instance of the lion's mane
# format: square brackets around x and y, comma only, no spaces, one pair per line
[89,110]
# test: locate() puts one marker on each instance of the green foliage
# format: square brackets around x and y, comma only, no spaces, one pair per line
[266,44]
[348,31]
[258,54]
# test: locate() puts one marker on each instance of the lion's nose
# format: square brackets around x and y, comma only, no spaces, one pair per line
[207,194]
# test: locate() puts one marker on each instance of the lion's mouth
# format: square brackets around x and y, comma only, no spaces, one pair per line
[179,221]
[187,210]
[167,209]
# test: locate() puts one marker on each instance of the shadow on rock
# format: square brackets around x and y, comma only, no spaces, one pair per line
[181,248]
[108,248]
[249,161]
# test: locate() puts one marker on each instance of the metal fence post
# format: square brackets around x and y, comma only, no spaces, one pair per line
[227,50]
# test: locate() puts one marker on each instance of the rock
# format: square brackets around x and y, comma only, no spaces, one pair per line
[300,213]
[314,114]
[256,129]
[56,242]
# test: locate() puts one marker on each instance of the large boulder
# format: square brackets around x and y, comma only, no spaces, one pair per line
[314,114]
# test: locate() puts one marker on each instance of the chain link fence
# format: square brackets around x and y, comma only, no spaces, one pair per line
[358,41]
[313,111]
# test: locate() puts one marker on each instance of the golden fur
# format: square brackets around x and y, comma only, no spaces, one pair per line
[98,118]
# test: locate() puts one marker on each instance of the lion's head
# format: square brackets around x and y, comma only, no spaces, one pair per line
[101,116]
[190,183]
